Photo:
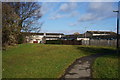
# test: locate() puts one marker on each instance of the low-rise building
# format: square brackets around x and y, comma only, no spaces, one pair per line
[79,38]
[41,37]
[100,34]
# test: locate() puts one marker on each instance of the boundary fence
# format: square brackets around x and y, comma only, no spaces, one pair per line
[100,42]
[93,42]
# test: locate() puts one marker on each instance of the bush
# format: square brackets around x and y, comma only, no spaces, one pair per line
[53,42]
[21,39]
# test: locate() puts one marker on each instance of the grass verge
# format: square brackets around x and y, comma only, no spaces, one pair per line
[106,66]
[42,61]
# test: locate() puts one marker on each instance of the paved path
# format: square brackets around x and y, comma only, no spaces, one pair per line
[81,68]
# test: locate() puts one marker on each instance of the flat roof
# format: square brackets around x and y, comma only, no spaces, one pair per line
[43,33]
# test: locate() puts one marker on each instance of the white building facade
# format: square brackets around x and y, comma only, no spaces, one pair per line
[40,37]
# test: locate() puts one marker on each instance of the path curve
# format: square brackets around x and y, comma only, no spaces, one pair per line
[81,68]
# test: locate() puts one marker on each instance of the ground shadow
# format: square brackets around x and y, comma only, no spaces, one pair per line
[93,52]
[97,52]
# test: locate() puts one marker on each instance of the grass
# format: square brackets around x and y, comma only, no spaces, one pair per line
[106,67]
[42,61]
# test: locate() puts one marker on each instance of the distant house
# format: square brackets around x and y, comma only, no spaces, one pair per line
[79,38]
[100,35]
[82,37]
[76,37]
[42,37]
[53,36]
[72,36]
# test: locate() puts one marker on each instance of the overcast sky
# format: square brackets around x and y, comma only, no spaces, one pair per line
[70,17]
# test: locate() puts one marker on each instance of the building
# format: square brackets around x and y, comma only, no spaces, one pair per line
[73,36]
[100,35]
[53,36]
[42,37]
[79,38]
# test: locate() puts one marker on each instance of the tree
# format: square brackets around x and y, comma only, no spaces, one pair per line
[29,13]
[9,25]
[76,33]
[19,17]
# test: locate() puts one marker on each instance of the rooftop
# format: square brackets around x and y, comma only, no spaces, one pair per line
[101,32]
[45,33]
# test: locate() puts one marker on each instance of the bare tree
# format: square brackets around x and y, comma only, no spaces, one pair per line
[29,13]
[19,17]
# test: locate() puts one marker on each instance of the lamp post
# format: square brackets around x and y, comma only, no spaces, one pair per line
[85,36]
[118,14]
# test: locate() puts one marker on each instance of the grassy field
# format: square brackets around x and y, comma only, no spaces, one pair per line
[42,61]
[106,67]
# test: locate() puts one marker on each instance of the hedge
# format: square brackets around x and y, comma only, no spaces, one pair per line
[53,42]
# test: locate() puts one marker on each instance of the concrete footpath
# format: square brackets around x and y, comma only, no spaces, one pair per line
[81,69]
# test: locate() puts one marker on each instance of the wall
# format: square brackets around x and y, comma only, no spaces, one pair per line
[71,42]
[100,42]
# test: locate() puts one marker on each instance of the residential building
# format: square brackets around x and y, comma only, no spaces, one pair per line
[79,38]
[72,36]
[100,35]
[42,37]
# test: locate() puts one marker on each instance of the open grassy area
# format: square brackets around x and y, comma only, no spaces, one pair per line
[43,61]
[106,67]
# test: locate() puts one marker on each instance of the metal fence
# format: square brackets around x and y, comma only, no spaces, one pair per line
[100,42]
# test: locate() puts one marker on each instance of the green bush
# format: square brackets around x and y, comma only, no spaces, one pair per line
[21,39]
[53,42]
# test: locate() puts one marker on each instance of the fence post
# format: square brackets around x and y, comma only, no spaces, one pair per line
[89,41]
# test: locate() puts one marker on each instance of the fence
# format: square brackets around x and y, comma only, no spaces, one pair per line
[71,42]
[66,42]
[53,42]
[85,42]
[100,42]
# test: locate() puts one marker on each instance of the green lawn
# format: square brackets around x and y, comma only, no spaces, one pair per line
[43,61]
[106,67]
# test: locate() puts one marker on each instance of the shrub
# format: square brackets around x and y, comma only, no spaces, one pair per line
[53,42]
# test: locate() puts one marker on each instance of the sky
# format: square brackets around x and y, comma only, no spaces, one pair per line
[71,17]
